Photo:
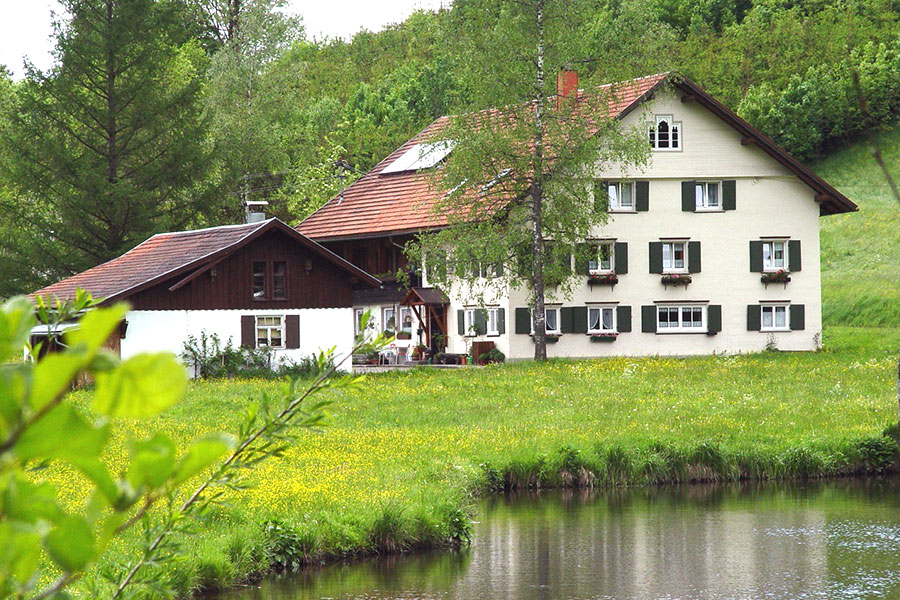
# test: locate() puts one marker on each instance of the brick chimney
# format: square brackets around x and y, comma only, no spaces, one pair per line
[566,84]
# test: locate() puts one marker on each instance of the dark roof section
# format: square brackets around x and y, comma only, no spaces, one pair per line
[167,255]
[402,203]
[422,295]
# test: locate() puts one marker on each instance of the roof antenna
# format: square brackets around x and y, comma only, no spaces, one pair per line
[342,168]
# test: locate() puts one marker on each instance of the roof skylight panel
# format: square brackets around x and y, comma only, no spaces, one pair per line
[420,156]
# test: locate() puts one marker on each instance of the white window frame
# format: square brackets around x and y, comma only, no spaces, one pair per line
[357,317]
[548,310]
[701,199]
[469,323]
[680,326]
[673,124]
[774,308]
[672,268]
[768,255]
[269,328]
[493,321]
[617,206]
[595,267]
[384,318]
[401,311]
[601,308]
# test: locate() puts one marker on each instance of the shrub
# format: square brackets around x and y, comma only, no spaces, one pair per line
[492,356]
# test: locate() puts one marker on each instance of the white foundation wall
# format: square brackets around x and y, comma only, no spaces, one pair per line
[168,330]
[770,201]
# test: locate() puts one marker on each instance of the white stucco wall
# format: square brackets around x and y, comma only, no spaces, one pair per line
[167,330]
[770,202]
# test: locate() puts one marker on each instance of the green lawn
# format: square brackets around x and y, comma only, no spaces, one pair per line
[861,251]
[400,457]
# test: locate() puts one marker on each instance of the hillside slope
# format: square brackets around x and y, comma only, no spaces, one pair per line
[861,251]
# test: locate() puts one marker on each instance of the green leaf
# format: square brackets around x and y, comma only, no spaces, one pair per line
[53,376]
[27,502]
[20,553]
[97,472]
[143,386]
[95,328]
[62,433]
[153,461]
[16,320]
[71,543]
[201,454]
[14,379]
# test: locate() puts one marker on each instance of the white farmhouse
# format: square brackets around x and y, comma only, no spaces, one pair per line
[712,248]
[257,284]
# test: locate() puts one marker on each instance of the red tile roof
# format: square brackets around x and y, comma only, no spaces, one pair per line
[166,254]
[377,205]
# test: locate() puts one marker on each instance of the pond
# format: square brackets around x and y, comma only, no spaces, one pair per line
[839,539]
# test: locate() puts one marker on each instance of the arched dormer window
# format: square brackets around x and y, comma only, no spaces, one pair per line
[665,133]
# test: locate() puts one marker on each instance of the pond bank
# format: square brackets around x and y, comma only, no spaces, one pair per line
[815,540]
[282,547]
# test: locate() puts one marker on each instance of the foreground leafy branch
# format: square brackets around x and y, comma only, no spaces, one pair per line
[39,428]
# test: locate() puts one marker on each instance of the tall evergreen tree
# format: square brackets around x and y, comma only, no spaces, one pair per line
[107,147]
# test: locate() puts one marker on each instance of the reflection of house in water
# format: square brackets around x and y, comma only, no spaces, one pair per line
[648,550]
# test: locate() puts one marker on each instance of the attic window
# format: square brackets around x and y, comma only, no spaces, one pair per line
[420,156]
[665,133]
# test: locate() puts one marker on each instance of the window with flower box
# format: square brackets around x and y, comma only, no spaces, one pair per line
[601,319]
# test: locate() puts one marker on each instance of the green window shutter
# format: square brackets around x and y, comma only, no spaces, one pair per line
[461,322]
[501,320]
[480,321]
[566,320]
[794,262]
[756,256]
[693,257]
[601,196]
[248,331]
[688,197]
[621,257]
[754,317]
[641,196]
[498,269]
[523,320]
[583,254]
[798,317]
[656,262]
[713,318]
[579,319]
[623,319]
[729,197]
[648,319]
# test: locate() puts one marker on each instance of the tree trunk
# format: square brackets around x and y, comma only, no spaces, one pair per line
[537,197]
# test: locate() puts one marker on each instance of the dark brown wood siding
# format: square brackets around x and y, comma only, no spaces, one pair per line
[378,256]
[312,281]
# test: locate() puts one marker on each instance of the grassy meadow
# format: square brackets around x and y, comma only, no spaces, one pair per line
[400,459]
[861,251]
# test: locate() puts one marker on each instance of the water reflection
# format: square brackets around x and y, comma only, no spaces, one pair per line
[791,541]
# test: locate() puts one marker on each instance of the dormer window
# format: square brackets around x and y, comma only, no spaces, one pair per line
[665,133]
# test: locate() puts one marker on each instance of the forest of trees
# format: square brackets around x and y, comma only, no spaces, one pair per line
[165,114]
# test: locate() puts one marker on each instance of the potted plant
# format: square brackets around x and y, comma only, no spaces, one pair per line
[779,276]
[603,279]
[604,337]
[676,278]
[404,335]
[418,352]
